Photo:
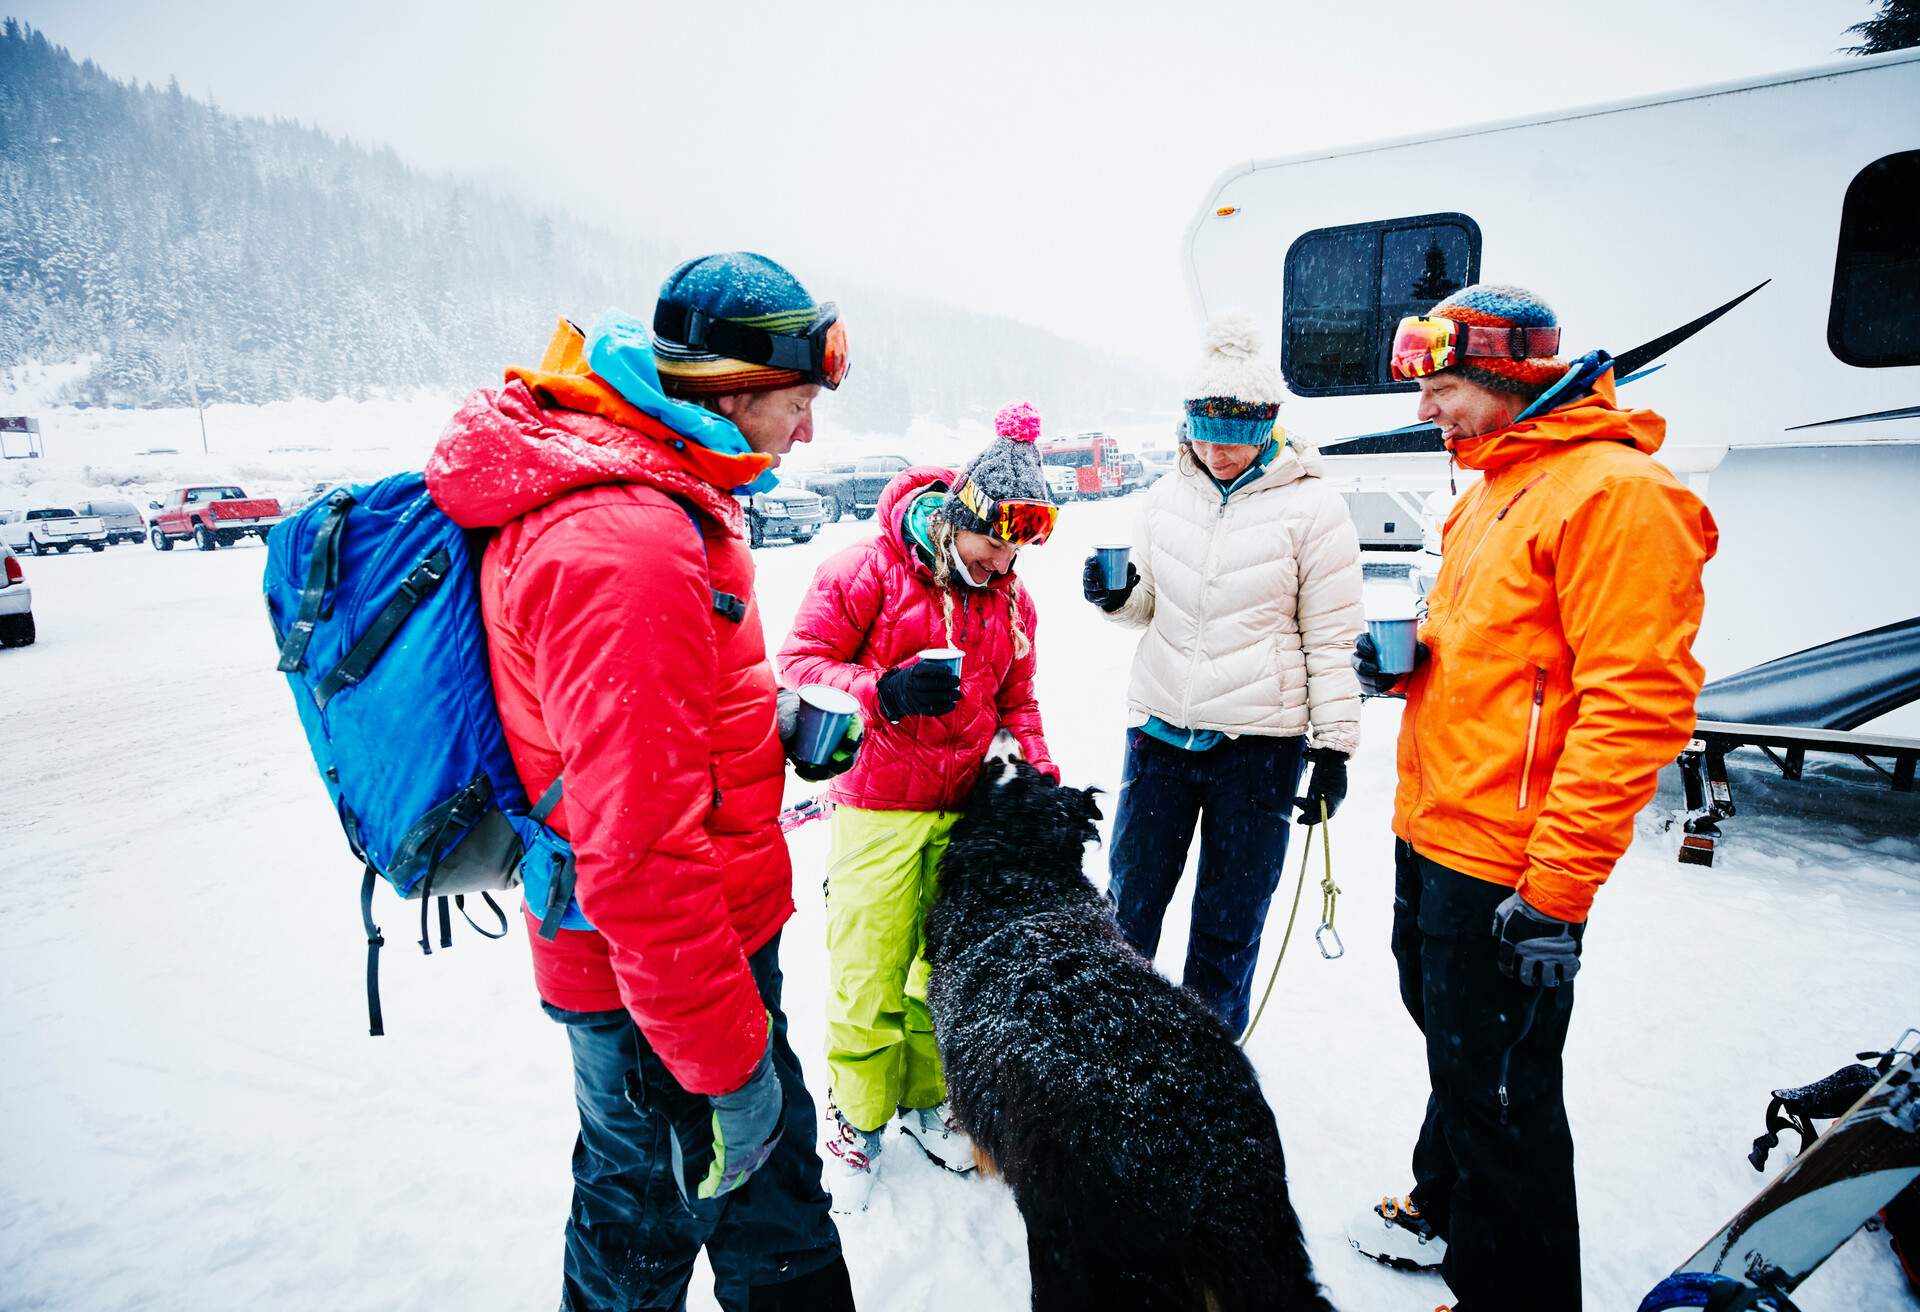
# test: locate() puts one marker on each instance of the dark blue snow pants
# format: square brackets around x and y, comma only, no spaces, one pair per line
[1240,792]
[1493,1167]
[631,1241]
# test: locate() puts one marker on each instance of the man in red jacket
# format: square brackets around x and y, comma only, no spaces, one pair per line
[628,660]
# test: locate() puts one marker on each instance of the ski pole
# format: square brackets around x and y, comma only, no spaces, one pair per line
[807,808]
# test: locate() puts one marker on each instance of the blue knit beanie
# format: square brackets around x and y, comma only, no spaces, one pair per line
[746,288]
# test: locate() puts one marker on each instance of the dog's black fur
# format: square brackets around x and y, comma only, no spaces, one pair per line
[1131,1128]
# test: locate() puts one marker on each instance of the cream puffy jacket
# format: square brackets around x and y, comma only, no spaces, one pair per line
[1250,604]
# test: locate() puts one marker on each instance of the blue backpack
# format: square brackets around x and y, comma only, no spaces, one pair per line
[374,596]
[375,601]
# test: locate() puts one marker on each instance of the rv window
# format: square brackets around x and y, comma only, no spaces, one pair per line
[1875,319]
[1346,288]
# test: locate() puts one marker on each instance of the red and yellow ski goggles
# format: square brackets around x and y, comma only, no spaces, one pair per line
[1017,523]
[1423,346]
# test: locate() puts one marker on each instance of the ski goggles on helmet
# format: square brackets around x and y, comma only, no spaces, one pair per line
[819,352]
[1015,522]
[1423,346]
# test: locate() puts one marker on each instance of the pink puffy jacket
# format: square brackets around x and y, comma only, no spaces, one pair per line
[875,606]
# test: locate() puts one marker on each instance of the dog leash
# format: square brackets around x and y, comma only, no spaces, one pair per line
[1329,901]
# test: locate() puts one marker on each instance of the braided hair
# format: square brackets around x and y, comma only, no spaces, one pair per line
[940,532]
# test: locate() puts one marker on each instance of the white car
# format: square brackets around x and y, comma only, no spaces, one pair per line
[16,601]
[37,530]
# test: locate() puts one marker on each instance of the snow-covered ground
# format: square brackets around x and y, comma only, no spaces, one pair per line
[194,1116]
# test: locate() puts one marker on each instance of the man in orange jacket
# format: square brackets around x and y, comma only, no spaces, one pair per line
[1554,678]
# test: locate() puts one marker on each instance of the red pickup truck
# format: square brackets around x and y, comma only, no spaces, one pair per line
[215,515]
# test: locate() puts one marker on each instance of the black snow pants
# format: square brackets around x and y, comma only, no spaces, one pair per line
[1493,1167]
[631,1240]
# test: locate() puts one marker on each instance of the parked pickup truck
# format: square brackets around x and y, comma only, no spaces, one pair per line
[37,530]
[851,488]
[216,515]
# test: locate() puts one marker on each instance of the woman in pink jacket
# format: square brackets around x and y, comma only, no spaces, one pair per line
[938,575]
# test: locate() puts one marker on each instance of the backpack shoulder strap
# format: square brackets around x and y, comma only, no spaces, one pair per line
[725,604]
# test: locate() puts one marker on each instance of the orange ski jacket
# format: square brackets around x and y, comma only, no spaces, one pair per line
[1562,675]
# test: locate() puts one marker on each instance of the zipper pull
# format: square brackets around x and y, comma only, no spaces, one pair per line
[1540,686]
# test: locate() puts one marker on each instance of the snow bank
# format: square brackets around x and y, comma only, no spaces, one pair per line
[196,1118]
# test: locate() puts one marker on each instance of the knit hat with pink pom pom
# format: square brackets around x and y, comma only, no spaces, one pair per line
[1008,470]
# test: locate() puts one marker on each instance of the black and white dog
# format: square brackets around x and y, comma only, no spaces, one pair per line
[1130,1127]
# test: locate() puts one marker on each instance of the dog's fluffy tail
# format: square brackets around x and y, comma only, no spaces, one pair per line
[1276,1275]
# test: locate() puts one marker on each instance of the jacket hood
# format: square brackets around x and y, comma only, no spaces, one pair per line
[503,455]
[1593,416]
[892,514]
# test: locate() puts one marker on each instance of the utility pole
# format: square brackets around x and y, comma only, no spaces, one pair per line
[193,388]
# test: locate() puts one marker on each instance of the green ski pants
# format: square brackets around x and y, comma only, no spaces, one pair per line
[881,868]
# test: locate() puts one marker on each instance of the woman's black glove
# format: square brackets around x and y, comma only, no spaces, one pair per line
[1327,783]
[1366,664]
[921,688]
[1093,585]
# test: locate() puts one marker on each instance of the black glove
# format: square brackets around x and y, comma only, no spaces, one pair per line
[1093,586]
[1327,783]
[1535,948]
[921,688]
[839,761]
[1366,664]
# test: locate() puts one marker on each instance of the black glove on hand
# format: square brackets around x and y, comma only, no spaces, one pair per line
[1327,783]
[1366,664]
[1535,948]
[922,688]
[1093,586]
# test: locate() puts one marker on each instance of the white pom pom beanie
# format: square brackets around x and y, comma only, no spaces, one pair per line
[1234,397]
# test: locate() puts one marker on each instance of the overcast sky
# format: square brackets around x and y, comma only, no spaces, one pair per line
[1035,159]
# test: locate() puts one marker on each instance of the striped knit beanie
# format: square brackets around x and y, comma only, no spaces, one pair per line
[1489,305]
[746,288]
[1235,396]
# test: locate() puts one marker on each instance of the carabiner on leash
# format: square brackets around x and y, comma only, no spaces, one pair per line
[1329,894]
[1320,937]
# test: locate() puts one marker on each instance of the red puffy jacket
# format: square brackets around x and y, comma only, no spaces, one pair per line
[612,668]
[875,606]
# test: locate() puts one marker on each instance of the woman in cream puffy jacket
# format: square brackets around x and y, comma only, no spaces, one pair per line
[1245,576]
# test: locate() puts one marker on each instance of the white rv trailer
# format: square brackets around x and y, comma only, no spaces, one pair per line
[1796,413]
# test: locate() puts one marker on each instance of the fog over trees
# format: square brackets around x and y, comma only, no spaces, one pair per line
[158,233]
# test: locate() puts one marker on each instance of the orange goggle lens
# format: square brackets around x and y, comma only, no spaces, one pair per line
[1025,523]
[1422,347]
[834,361]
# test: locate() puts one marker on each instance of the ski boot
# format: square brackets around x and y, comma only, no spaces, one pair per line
[850,1159]
[1393,1233]
[945,1143]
